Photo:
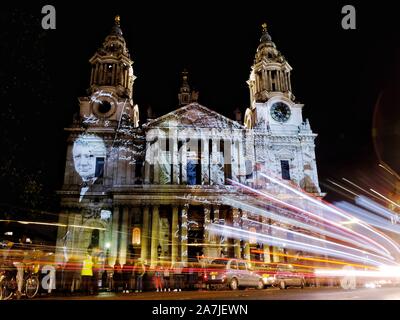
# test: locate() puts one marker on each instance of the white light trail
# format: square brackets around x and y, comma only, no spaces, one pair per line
[328,222]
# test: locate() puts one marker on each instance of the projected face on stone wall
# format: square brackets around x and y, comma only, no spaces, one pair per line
[89,153]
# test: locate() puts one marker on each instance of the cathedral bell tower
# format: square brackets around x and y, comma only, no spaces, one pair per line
[270,74]
[284,143]
[111,83]
[271,99]
[185,95]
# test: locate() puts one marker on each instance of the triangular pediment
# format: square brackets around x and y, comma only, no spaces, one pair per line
[194,115]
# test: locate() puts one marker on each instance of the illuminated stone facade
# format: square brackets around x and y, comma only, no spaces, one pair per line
[153,190]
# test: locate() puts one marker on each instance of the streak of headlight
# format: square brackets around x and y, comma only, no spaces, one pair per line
[365,215]
[394,273]
[263,212]
[387,199]
[318,260]
[374,207]
[362,189]
[315,239]
[377,221]
[239,233]
[53,224]
[388,169]
[338,185]
[319,217]
[331,209]
[276,217]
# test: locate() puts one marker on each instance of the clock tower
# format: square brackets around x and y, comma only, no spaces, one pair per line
[111,83]
[284,143]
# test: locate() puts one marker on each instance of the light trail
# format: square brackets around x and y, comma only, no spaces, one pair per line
[362,189]
[308,237]
[340,186]
[369,218]
[374,207]
[53,224]
[317,259]
[384,272]
[387,199]
[328,222]
[289,221]
[335,211]
[271,240]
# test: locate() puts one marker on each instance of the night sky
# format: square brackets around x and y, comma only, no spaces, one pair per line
[338,74]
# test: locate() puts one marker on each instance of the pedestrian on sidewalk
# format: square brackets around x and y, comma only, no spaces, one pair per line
[158,277]
[87,274]
[140,270]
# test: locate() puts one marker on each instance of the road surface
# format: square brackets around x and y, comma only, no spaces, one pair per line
[386,293]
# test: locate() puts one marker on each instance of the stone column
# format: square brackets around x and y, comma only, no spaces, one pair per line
[216,237]
[156,160]
[175,157]
[174,234]
[280,80]
[99,73]
[155,224]
[214,159]
[265,230]
[207,222]
[91,75]
[126,78]
[105,67]
[96,74]
[245,224]
[236,224]
[112,73]
[241,162]
[235,160]
[205,163]
[184,234]
[264,80]
[148,162]
[283,81]
[124,235]
[184,161]
[145,234]
[128,172]
[278,74]
[114,235]
[269,80]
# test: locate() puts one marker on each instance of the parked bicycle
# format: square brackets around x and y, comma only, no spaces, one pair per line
[9,285]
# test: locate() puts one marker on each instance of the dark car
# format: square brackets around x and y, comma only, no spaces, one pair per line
[287,276]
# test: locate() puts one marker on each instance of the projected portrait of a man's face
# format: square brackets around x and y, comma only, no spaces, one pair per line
[89,153]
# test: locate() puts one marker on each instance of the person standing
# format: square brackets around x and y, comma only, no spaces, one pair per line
[167,282]
[96,274]
[117,275]
[126,275]
[158,275]
[140,270]
[87,273]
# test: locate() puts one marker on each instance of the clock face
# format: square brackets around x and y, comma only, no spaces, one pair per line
[280,112]
[104,107]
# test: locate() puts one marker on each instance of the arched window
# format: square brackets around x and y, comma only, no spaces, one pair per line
[94,242]
[136,236]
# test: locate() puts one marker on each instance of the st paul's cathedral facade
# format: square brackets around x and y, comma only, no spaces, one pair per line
[157,190]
